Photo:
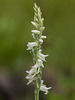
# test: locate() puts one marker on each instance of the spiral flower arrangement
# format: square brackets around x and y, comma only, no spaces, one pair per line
[35,74]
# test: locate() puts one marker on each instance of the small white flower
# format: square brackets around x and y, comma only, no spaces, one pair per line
[35,9]
[35,5]
[33,70]
[42,28]
[44,88]
[35,31]
[42,81]
[31,80]
[41,21]
[33,35]
[32,73]
[41,56]
[41,41]
[40,62]
[35,24]
[30,45]
[43,37]
[39,13]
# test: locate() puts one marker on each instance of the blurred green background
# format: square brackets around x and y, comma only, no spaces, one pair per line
[15,32]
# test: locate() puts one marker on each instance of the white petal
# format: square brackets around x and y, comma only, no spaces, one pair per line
[33,35]
[35,5]
[35,24]
[40,62]
[36,65]
[41,56]
[27,71]
[41,41]
[33,70]
[30,45]
[35,31]
[39,13]
[43,37]
[42,20]
[30,81]
[27,77]
[44,88]
[42,28]
[42,81]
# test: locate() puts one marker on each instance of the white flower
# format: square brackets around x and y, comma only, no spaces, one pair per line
[41,56]
[44,88]
[32,71]
[42,28]
[31,74]
[42,81]
[40,62]
[33,35]
[43,37]
[31,79]
[35,24]
[41,21]
[39,13]
[30,45]
[35,31]
[35,5]
[41,41]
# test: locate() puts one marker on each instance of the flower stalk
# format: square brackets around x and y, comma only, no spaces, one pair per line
[35,74]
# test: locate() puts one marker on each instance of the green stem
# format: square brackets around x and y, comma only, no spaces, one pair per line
[37,84]
[37,96]
[36,92]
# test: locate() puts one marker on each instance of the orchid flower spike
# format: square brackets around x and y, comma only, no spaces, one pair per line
[35,73]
